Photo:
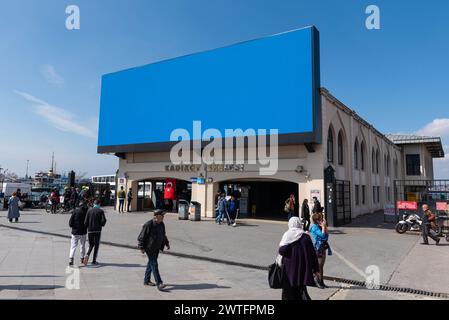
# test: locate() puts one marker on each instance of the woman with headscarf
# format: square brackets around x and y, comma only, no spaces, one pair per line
[13,208]
[298,259]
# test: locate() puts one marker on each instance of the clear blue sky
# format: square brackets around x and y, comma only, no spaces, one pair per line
[397,78]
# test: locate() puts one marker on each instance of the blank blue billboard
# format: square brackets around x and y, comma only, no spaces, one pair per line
[268,83]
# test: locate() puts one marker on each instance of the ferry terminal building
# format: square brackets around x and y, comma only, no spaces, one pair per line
[326,150]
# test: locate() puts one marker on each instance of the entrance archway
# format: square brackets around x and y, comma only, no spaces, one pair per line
[261,198]
[150,193]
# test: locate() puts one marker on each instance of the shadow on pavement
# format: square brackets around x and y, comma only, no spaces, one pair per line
[31,276]
[336,232]
[372,220]
[120,265]
[199,286]
[29,287]
[27,222]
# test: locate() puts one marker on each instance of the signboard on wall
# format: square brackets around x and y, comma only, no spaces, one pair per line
[257,77]
[407,205]
[442,206]
[389,209]
[315,193]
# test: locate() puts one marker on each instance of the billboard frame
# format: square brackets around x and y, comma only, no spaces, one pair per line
[313,137]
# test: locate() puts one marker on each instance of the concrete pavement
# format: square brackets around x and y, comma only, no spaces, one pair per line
[34,266]
[366,242]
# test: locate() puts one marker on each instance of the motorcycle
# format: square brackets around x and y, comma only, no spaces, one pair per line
[409,222]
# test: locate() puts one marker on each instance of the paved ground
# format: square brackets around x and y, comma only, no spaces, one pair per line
[33,265]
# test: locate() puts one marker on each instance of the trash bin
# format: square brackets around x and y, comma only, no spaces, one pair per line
[195,211]
[183,210]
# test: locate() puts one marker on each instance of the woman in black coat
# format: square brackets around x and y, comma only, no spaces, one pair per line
[305,211]
[298,259]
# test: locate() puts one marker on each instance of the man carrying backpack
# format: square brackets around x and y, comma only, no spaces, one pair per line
[153,239]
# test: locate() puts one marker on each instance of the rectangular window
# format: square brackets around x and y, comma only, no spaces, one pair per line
[357,198]
[378,194]
[413,164]
[374,195]
[363,194]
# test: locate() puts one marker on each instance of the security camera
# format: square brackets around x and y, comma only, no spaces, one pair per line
[299,169]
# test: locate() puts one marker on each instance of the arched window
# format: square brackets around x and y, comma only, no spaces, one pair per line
[340,148]
[377,161]
[388,165]
[330,146]
[396,168]
[356,154]
[373,161]
[362,156]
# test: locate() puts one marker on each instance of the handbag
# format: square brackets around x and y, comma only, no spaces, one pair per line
[287,206]
[275,276]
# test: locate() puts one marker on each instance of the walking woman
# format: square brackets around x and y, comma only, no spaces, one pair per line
[320,235]
[13,208]
[305,212]
[298,259]
[289,206]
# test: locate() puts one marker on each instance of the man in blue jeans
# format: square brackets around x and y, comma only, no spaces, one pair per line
[221,206]
[153,239]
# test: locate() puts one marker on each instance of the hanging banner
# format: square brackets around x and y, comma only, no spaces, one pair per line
[441,206]
[407,205]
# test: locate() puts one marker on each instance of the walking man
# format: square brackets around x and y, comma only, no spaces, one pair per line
[121,199]
[79,232]
[429,226]
[95,221]
[151,240]
[317,208]
[221,209]
[130,199]
[74,198]
[233,208]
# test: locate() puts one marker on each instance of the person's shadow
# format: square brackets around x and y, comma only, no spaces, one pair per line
[198,286]
[120,265]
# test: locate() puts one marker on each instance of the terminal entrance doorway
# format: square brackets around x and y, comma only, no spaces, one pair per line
[261,199]
[151,194]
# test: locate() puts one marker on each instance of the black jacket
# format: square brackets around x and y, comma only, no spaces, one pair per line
[76,221]
[300,262]
[305,211]
[95,220]
[152,238]
[317,208]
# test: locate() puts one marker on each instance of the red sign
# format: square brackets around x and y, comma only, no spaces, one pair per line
[407,205]
[441,206]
